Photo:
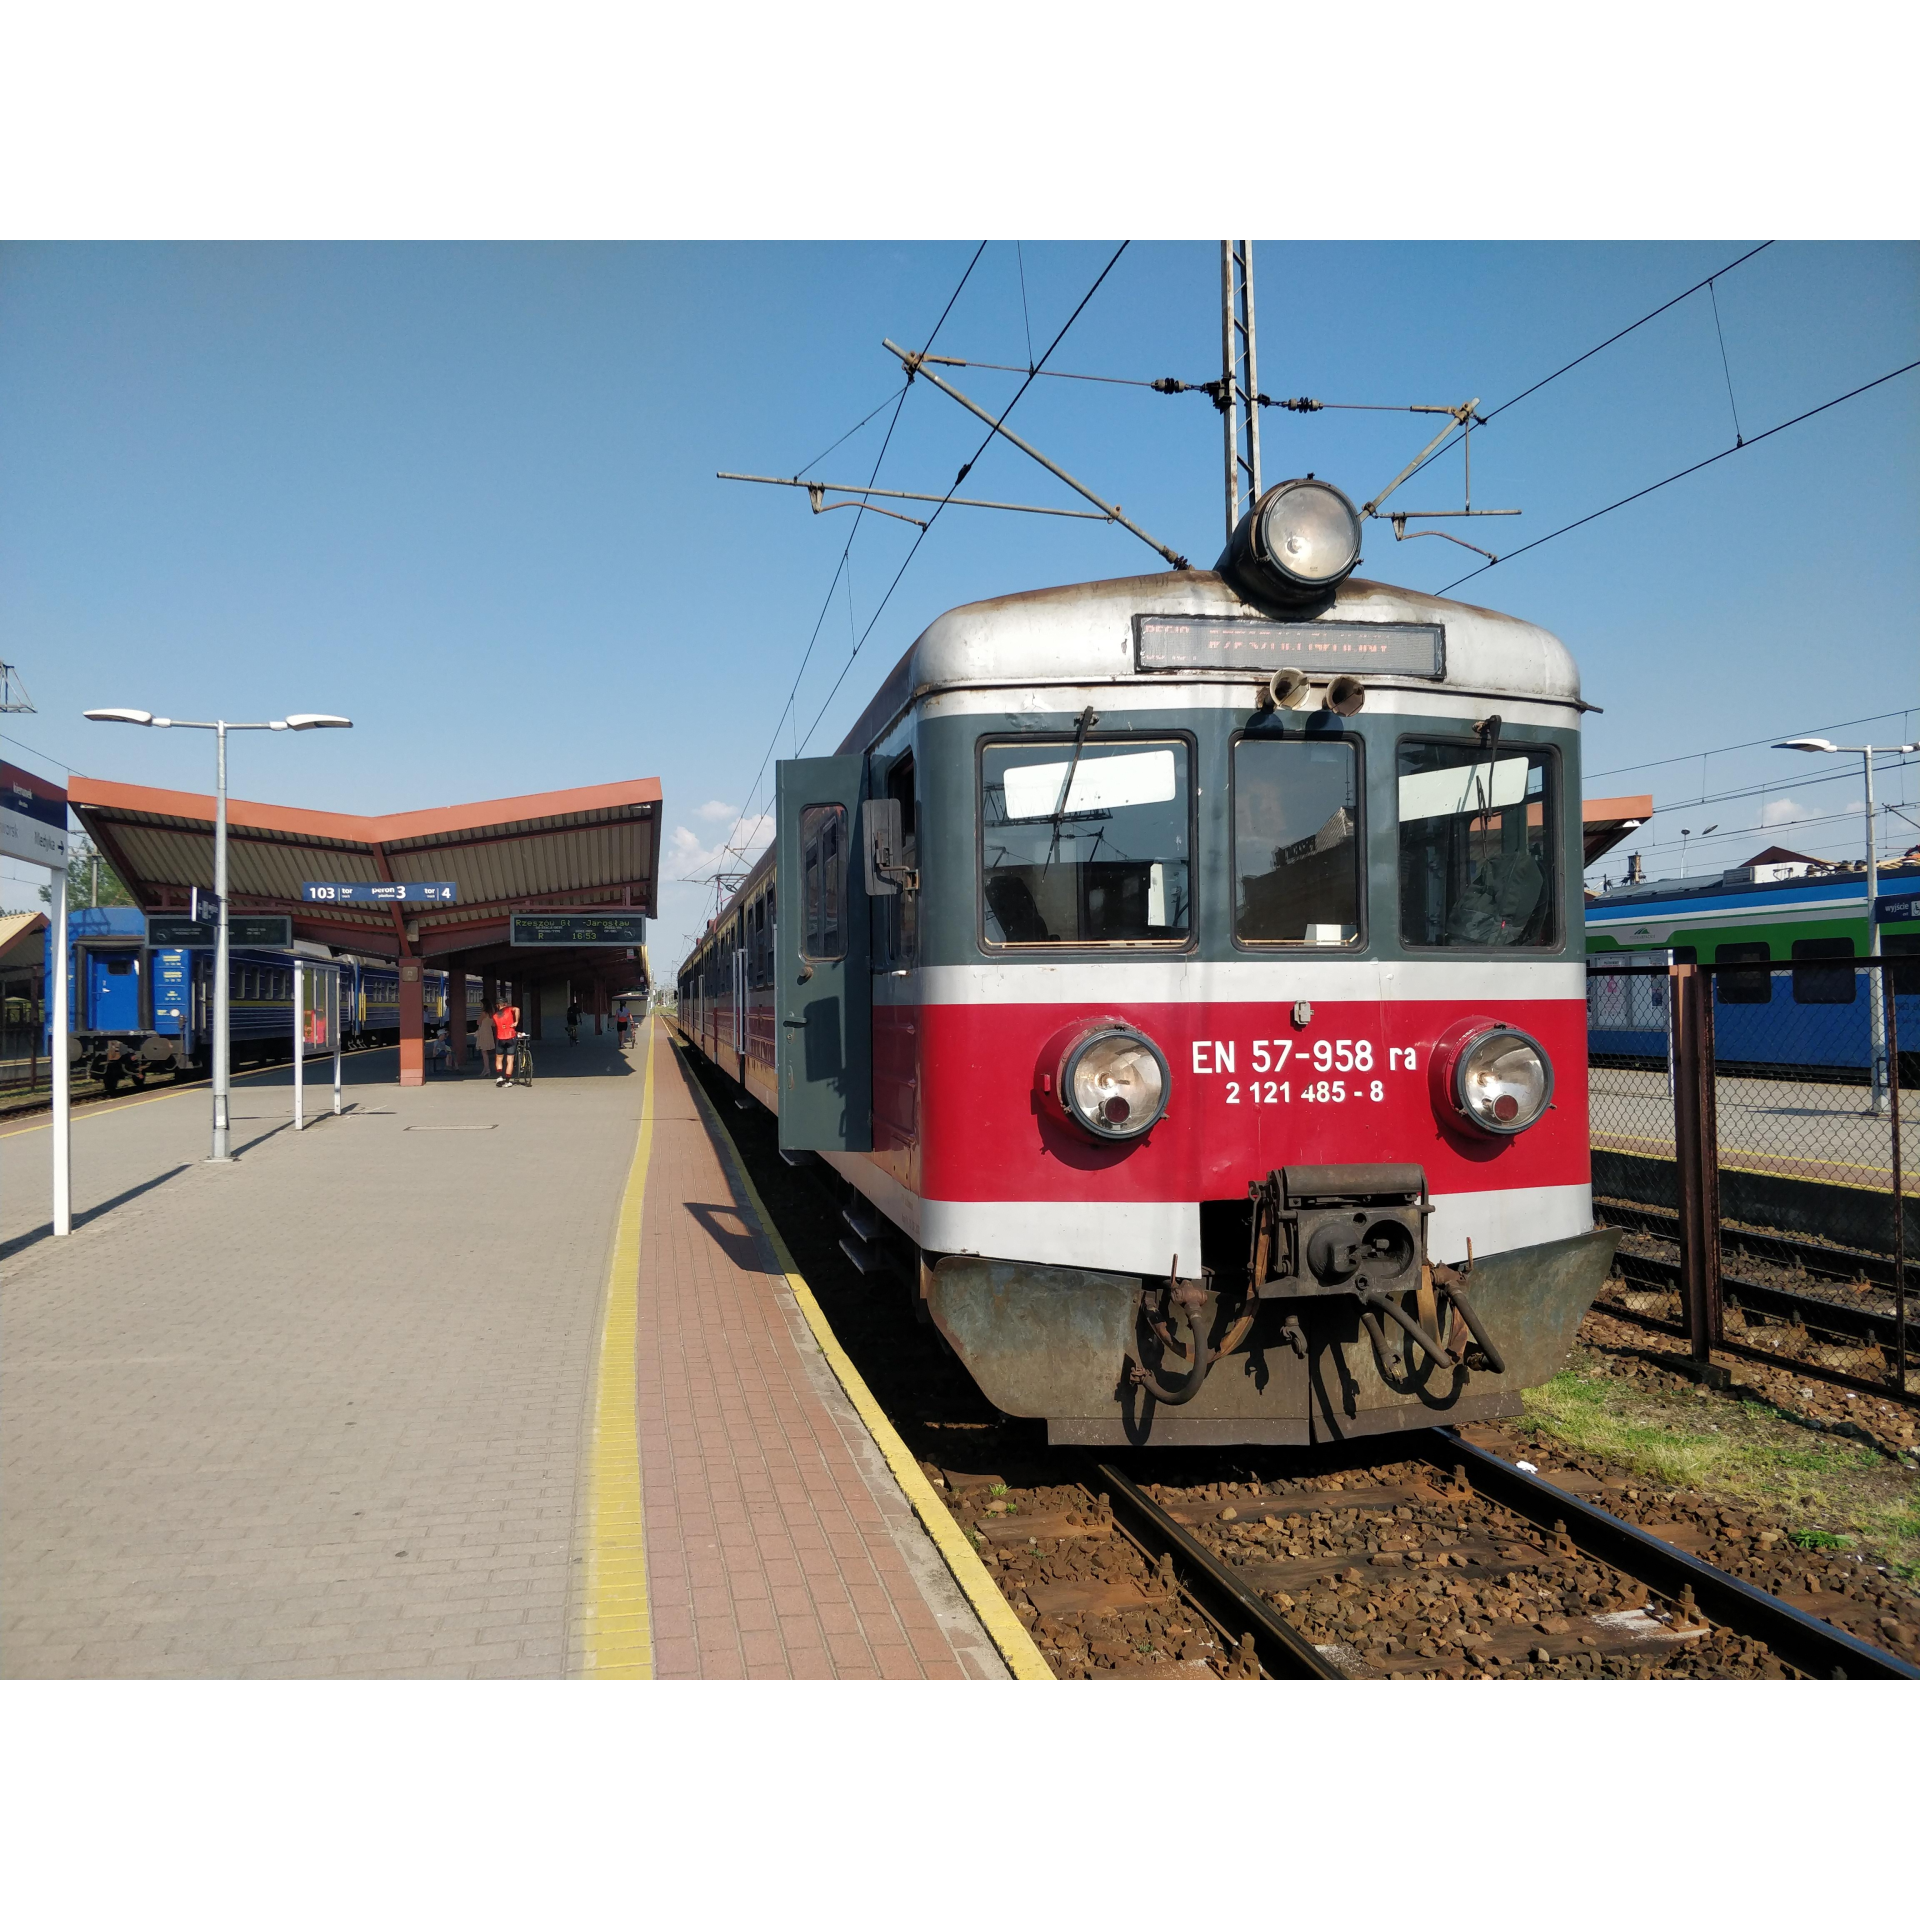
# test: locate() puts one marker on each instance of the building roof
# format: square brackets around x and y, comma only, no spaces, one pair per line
[20,942]
[583,847]
[1605,823]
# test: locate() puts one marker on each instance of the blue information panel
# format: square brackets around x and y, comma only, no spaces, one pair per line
[579,929]
[379,893]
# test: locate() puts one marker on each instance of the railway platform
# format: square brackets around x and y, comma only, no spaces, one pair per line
[467,1381]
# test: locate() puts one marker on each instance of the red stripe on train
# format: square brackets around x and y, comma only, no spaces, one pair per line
[1251,1091]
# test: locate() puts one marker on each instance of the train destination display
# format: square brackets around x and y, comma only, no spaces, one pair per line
[380,893]
[1165,644]
[243,930]
[579,929]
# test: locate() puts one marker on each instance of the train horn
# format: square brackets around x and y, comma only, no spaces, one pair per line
[1288,687]
[1346,695]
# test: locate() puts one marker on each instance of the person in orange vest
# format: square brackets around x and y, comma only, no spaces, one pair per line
[506,1030]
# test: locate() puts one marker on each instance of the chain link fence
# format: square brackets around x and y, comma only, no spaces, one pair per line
[1756,1131]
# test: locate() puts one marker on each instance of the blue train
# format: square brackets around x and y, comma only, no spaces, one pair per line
[135,1008]
[1807,1015]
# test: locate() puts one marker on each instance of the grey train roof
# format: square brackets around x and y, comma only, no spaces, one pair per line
[1083,634]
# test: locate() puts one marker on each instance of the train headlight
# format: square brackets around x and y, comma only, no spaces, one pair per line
[1502,1080]
[1308,534]
[1297,543]
[1114,1082]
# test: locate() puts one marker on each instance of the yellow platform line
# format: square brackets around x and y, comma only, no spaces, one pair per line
[1023,1658]
[617,1629]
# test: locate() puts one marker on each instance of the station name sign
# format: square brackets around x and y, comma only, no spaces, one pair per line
[1168,644]
[380,893]
[33,818]
[579,929]
[243,930]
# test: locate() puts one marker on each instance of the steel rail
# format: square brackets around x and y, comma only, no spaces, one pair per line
[1838,1263]
[1779,1303]
[1766,1357]
[1213,1586]
[1815,1648]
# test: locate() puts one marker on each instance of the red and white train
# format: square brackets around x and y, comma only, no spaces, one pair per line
[1185,976]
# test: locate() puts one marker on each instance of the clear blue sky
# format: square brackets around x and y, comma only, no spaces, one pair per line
[464,494]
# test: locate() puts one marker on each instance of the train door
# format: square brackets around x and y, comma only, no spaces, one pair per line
[113,992]
[823,992]
[740,1005]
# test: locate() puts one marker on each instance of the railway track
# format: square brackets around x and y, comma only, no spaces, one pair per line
[1555,1586]
[1848,1265]
[1336,1569]
[1865,1326]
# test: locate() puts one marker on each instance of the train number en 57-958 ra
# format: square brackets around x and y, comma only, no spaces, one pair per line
[1282,1059]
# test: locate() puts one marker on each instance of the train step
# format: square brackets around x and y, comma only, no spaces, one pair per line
[868,1228]
[867,1259]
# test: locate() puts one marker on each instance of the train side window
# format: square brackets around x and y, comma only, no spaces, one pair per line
[903,908]
[1685,956]
[823,864]
[1086,843]
[1828,986]
[1744,989]
[1905,948]
[1296,842]
[1479,844]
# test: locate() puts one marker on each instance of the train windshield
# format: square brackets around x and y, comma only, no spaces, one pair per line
[1085,843]
[1296,842]
[1478,833]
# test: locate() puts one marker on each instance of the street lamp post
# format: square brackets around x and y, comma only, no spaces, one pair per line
[1877,1006]
[294,723]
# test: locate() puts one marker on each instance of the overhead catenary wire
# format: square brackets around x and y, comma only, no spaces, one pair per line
[899,401]
[966,468]
[1740,746]
[1666,306]
[1739,446]
[892,398]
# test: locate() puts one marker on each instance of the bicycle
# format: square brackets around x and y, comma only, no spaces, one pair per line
[522,1060]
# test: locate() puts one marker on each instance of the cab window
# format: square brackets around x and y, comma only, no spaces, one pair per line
[1296,842]
[1479,840]
[1085,843]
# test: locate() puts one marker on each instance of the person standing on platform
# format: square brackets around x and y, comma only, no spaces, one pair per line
[506,1030]
[573,1023]
[620,1024]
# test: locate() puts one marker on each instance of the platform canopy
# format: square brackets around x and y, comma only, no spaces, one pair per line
[1605,823]
[587,848]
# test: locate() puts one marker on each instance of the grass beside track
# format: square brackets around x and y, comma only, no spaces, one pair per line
[1831,1488]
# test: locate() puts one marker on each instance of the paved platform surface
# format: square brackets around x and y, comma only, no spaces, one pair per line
[325,1411]
[778,1542]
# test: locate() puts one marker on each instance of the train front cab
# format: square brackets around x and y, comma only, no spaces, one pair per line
[1303,938]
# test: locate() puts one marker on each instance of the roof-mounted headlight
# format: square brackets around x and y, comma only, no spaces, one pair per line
[1298,541]
[1114,1082]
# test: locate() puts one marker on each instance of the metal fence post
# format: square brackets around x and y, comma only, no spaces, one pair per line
[1713,1312]
[1696,1162]
[1891,1001]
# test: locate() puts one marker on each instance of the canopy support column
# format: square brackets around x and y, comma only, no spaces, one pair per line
[413,1025]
